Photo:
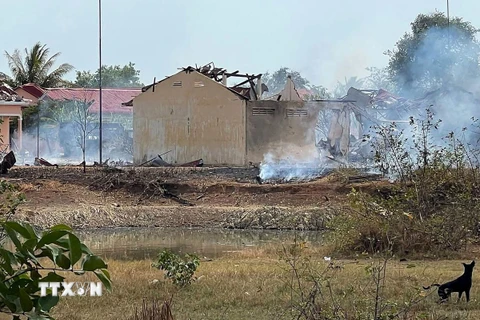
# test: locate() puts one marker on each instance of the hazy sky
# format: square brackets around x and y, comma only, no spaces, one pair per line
[324,40]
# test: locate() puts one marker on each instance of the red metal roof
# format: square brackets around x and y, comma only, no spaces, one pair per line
[112,98]
[34,89]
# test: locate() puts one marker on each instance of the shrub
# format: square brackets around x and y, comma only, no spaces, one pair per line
[432,207]
[180,270]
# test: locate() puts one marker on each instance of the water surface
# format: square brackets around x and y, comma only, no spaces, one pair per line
[146,243]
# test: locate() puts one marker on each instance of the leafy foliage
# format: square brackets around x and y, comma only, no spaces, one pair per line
[112,76]
[36,67]
[37,257]
[434,205]
[277,80]
[379,79]
[436,52]
[180,270]
[342,88]
[21,270]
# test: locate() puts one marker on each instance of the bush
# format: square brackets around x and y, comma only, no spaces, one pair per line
[180,270]
[432,207]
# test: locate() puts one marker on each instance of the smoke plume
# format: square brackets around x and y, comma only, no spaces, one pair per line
[443,76]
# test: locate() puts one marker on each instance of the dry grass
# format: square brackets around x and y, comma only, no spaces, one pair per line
[252,285]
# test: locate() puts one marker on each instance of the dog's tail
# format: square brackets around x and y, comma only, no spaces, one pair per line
[432,285]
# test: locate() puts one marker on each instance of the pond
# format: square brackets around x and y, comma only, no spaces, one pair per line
[146,243]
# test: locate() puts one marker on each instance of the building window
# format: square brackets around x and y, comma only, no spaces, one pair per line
[297,113]
[263,111]
[198,84]
[177,84]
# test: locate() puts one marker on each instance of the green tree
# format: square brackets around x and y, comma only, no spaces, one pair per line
[379,79]
[36,67]
[436,52]
[112,76]
[342,87]
[276,82]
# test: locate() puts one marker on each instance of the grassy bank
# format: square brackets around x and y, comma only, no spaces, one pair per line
[257,284]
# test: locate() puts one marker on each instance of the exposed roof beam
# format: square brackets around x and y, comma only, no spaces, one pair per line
[242,83]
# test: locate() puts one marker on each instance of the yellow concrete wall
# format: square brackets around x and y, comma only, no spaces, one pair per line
[199,119]
[283,128]
[5,125]
[4,132]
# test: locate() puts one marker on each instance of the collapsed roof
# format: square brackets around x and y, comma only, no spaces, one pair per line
[8,95]
[254,87]
[250,88]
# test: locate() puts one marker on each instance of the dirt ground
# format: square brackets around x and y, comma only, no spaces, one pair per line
[204,197]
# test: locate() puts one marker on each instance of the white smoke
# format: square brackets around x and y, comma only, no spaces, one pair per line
[292,163]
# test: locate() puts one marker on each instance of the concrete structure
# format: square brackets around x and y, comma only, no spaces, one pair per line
[285,129]
[8,111]
[289,92]
[194,117]
[275,126]
[10,108]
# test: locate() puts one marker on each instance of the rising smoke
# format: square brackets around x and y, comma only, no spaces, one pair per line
[56,135]
[443,76]
[293,167]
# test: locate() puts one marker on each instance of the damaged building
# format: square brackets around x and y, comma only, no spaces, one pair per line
[194,114]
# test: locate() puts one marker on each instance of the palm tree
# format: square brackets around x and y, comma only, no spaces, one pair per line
[35,67]
[342,88]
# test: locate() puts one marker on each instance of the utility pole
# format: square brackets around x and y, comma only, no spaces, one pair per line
[448,25]
[448,14]
[100,76]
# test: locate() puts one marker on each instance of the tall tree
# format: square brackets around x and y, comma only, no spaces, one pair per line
[342,87]
[276,82]
[112,76]
[379,79]
[436,52]
[36,67]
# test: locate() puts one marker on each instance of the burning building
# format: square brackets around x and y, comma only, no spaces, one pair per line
[195,114]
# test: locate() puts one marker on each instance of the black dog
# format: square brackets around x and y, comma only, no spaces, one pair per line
[460,285]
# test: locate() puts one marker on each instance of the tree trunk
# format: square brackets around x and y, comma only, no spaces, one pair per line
[83,153]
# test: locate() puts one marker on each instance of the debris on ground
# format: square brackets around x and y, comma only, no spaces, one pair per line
[8,161]
[159,162]
[195,163]
[365,177]
[43,162]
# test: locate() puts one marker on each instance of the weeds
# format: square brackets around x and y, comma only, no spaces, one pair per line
[434,206]
[315,291]
[154,311]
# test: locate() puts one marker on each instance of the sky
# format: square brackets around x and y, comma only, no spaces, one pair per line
[325,41]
